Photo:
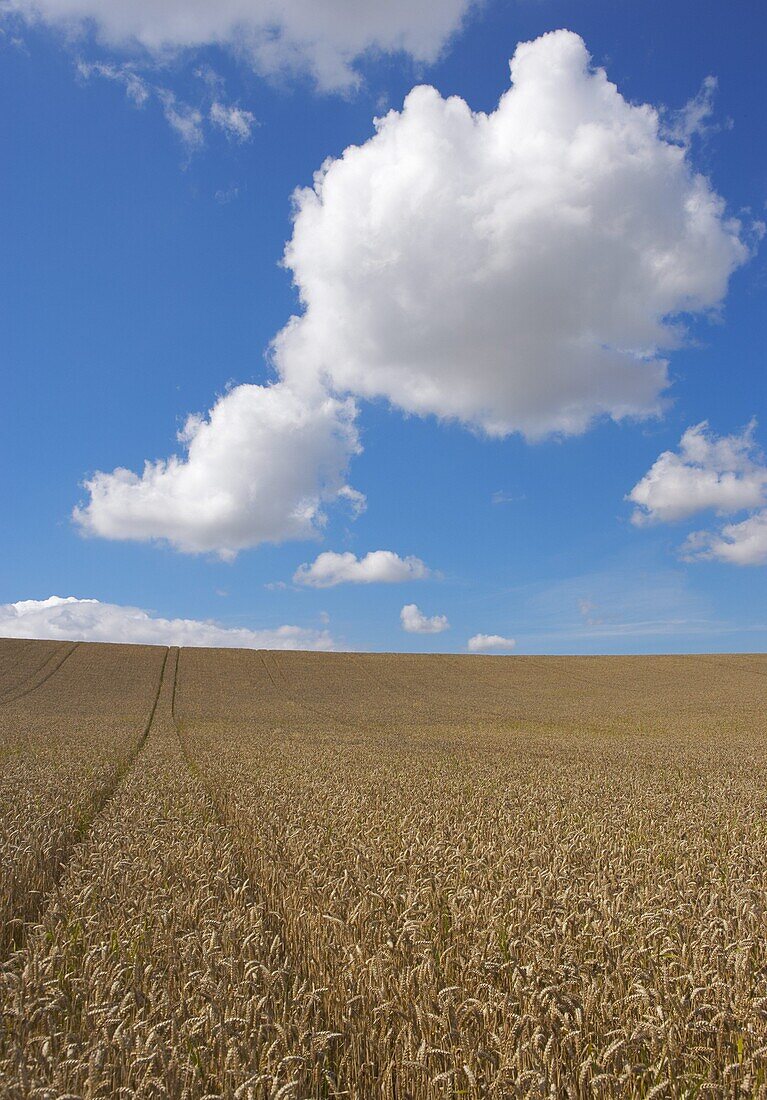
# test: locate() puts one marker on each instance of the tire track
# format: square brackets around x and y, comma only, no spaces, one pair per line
[265,663]
[271,906]
[374,678]
[23,692]
[78,833]
[158,918]
[21,681]
[281,684]
[730,666]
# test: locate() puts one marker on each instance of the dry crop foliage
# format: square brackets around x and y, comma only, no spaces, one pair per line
[402,877]
[64,743]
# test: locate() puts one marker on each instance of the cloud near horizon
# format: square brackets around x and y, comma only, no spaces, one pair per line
[414,621]
[324,38]
[480,643]
[723,474]
[260,467]
[72,619]
[377,567]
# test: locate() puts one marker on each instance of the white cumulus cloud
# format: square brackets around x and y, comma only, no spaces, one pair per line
[415,622]
[743,543]
[260,467]
[322,37]
[79,620]
[377,567]
[521,270]
[723,473]
[479,643]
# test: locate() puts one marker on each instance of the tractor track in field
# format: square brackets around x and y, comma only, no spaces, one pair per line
[24,679]
[56,660]
[392,686]
[280,683]
[81,828]
[744,669]
[270,905]
[302,704]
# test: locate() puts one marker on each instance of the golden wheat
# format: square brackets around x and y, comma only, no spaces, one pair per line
[63,746]
[405,877]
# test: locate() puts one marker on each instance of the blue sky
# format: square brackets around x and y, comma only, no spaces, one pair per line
[141,276]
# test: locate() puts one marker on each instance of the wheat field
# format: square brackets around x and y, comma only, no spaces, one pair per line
[292,875]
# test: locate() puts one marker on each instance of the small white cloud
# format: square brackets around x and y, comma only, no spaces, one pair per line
[479,643]
[236,122]
[724,474]
[743,543]
[86,620]
[258,468]
[415,622]
[377,567]
[357,500]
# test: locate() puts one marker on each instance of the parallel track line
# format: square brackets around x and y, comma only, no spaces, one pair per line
[34,687]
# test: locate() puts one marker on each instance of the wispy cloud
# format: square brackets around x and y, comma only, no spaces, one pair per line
[137,88]
[189,121]
[502,497]
[225,195]
[236,122]
[186,121]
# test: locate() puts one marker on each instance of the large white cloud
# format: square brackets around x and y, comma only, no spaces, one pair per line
[520,270]
[377,567]
[324,37]
[415,622]
[723,473]
[92,621]
[258,468]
